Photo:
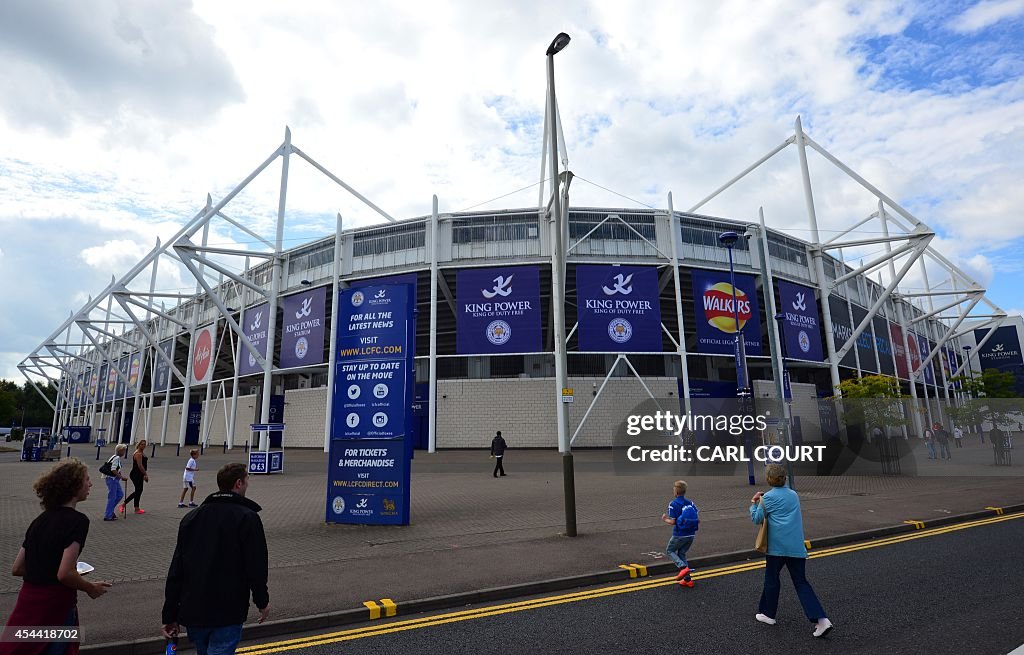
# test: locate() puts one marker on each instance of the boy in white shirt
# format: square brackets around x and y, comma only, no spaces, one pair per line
[188,481]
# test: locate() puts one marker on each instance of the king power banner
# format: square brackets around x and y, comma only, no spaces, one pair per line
[801,325]
[302,328]
[715,317]
[254,324]
[161,367]
[618,309]
[498,310]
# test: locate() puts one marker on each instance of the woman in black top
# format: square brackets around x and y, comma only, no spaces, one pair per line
[139,477]
[48,560]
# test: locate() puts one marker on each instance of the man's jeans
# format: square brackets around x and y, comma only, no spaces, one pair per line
[944,450]
[931,450]
[114,496]
[676,549]
[216,641]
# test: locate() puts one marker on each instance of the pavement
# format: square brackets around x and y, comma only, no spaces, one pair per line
[469,530]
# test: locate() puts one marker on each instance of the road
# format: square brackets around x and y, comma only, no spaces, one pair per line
[948,590]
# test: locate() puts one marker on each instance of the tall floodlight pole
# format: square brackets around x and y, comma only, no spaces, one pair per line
[729,239]
[558,298]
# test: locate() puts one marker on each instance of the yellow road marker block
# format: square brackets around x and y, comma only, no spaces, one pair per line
[390,608]
[629,567]
[640,568]
[918,525]
[374,609]
[997,510]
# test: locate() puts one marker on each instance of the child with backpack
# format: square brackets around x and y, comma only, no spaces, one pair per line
[684,518]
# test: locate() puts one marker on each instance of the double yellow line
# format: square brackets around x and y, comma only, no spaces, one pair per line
[548,601]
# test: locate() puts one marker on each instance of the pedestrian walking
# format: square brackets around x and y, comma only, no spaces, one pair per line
[188,479]
[684,518]
[113,480]
[208,588]
[139,476]
[47,562]
[929,440]
[942,437]
[958,436]
[498,447]
[780,508]
[998,440]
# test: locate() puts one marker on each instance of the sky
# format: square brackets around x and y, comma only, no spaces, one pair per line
[118,117]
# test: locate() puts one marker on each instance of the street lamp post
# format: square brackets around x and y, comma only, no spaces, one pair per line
[558,299]
[787,393]
[728,240]
[970,374]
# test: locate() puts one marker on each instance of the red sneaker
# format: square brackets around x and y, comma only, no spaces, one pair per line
[686,583]
[140,511]
[683,572]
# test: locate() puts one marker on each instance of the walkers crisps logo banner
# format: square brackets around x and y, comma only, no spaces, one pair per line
[715,315]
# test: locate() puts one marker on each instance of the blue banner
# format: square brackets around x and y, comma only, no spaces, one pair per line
[368,478]
[402,278]
[498,310]
[883,344]
[119,385]
[254,324]
[1002,351]
[617,309]
[801,325]
[108,380]
[302,328]
[368,482]
[162,368]
[929,372]
[715,319]
[94,385]
[134,373]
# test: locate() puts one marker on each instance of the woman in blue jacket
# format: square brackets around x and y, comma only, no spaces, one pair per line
[780,506]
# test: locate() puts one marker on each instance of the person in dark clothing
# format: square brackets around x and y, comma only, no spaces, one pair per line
[220,558]
[498,447]
[139,476]
[942,437]
[48,563]
[998,440]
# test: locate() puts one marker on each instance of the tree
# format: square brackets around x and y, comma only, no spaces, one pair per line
[988,402]
[873,401]
[8,402]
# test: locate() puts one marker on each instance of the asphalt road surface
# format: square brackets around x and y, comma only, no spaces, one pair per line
[950,590]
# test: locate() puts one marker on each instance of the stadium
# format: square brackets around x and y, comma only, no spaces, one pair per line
[648,314]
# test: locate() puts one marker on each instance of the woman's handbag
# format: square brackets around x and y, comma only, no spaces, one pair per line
[761,543]
[105,468]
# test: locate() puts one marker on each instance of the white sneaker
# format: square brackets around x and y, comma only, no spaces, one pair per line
[763,618]
[822,628]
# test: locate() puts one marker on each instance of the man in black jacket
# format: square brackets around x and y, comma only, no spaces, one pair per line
[498,447]
[219,559]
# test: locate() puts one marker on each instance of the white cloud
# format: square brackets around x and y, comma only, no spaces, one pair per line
[985,14]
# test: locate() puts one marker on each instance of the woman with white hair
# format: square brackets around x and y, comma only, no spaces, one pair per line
[113,480]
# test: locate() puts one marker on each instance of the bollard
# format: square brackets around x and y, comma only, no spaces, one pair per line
[247,446]
[177,450]
[97,453]
[152,452]
[202,448]
[69,451]
[225,447]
